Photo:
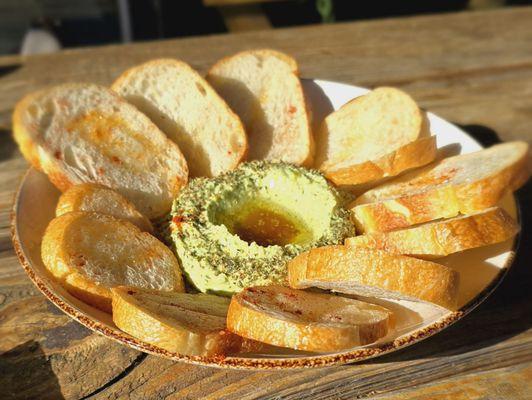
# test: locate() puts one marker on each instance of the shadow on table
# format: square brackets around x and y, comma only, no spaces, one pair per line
[8,69]
[7,144]
[26,373]
[484,135]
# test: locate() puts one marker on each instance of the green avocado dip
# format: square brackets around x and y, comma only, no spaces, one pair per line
[240,229]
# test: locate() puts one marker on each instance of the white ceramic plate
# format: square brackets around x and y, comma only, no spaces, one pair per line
[480,269]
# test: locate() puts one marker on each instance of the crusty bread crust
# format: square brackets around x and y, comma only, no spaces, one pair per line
[283,135]
[439,239]
[89,253]
[101,199]
[434,192]
[141,313]
[79,133]
[374,136]
[411,155]
[305,321]
[372,272]
[189,111]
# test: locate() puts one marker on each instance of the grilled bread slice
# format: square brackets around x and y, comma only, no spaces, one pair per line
[374,273]
[90,253]
[185,107]
[191,324]
[79,133]
[308,321]
[465,184]
[101,199]
[374,136]
[441,238]
[263,88]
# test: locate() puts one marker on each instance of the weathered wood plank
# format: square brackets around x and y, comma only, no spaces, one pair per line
[505,383]
[45,354]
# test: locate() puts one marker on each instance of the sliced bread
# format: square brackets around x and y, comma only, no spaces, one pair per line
[90,253]
[190,324]
[441,238]
[465,184]
[101,199]
[308,321]
[374,136]
[263,88]
[374,273]
[79,133]
[185,107]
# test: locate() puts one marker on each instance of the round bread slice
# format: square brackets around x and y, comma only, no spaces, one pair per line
[263,87]
[191,324]
[185,107]
[79,133]
[90,253]
[374,273]
[439,239]
[374,136]
[101,199]
[307,321]
[465,184]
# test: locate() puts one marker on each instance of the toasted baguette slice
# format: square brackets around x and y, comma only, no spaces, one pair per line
[380,134]
[302,320]
[439,239]
[185,107]
[411,155]
[90,253]
[191,324]
[263,88]
[79,133]
[101,199]
[464,184]
[374,273]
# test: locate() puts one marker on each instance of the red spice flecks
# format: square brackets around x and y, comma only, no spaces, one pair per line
[177,221]
[298,312]
[116,159]
[292,109]
[229,152]
[57,154]
[101,171]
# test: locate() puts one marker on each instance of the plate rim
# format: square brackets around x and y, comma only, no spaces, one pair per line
[235,362]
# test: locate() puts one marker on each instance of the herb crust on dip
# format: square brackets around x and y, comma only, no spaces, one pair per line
[239,229]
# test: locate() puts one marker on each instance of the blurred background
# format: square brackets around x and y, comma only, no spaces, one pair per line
[42,26]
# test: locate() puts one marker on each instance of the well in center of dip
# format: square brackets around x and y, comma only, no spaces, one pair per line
[268,224]
[240,229]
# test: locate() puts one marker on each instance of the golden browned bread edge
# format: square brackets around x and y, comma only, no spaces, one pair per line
[439,239]
[331,266]
[263,327]
[415,154]
[135,319]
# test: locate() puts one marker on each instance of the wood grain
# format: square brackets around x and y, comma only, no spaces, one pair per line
[471,68]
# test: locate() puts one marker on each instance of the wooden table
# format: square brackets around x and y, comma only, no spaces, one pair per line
[471,68]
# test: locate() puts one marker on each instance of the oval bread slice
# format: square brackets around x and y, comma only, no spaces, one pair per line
[439,239]
[90,253]
[263,88]
[374,136]
[465,184]
[101,199]
[374,273]
[79,133]
[302,320]
[190,324]
[185,107]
